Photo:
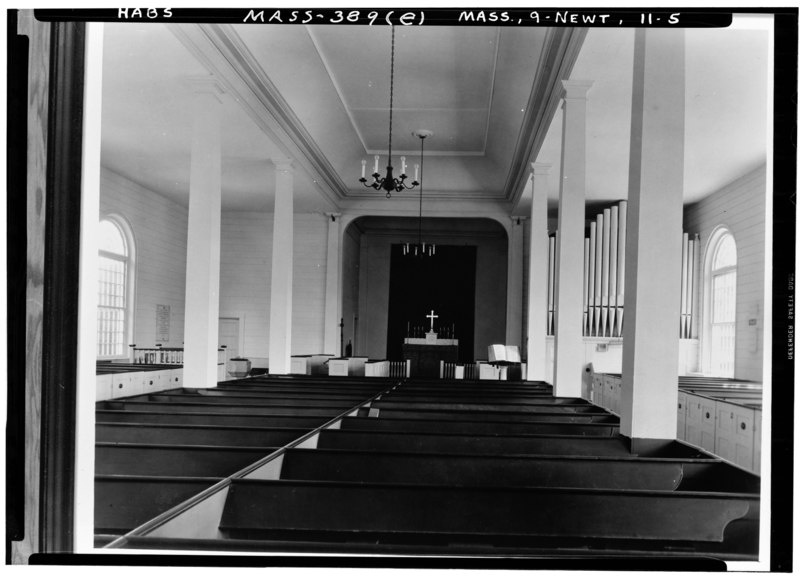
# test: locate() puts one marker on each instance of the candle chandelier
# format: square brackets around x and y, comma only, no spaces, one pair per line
[389,182]
[420,249]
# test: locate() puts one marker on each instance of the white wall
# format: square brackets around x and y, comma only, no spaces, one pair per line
[245,276]
[351,251]
[159,229]
[740,206]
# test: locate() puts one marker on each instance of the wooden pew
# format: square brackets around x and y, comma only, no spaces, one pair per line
[200,435]
[388,403]
[221,408]
[173,460]
[122,503]
[256,394]
[483,400]
[490,444]
[267,400]
[479,416]
[335,510]
[621,473]
[467,427]
[212,418]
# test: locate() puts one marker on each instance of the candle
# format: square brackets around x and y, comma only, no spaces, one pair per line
[376,163]
[402,164]
[416,172]
[363,168]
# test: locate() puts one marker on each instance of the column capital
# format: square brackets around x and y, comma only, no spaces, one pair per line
[205,85]
[576,89]
[540,168]
[283,164]
[333,215]
[518,219]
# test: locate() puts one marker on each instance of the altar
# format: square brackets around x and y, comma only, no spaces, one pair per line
[426,353]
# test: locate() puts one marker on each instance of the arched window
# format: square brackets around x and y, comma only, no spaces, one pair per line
[114,288]
[721,304]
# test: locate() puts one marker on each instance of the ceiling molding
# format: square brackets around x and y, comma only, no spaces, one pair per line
[561,49]
[222,51]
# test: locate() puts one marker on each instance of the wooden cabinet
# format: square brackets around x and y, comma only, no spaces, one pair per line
[681,430]
[701,423]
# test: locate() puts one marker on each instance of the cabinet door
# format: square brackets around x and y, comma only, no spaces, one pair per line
[121,385]
[103,390]
[681,431]
[701,422]
[735,434]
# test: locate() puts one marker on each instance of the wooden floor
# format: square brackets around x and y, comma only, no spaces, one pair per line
[371,465]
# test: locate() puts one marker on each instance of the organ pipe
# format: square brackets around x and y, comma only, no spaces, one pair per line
[606,266]
[623,226]
[590,279]
[586,248]
[604,277]
[598,274]
[612,272]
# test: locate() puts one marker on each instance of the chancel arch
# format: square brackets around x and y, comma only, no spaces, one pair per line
[386,293]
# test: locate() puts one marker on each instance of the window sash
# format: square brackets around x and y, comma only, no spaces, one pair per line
[112,305]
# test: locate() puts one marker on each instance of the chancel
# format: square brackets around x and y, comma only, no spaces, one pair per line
[577,368]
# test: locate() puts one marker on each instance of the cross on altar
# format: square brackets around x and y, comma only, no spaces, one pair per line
[431,316]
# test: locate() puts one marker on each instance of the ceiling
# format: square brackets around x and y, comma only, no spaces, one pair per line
[320,95]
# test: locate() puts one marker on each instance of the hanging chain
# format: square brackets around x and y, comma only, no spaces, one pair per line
[391,100]
[421,170]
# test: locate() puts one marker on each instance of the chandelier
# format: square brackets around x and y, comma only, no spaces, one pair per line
[420,248]
[389,182]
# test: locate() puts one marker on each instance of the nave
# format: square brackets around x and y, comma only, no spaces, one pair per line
[386,466]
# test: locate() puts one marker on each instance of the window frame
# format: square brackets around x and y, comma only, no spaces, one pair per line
[719,234]
[130,281]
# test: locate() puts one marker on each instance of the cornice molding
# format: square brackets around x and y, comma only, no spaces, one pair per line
[561,49]
[220,49]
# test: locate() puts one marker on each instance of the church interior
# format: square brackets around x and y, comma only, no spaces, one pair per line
[473,291]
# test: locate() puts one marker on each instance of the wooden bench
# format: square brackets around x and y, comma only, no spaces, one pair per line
[212,418]
[622,473]
[484,400]
[467,427]
[336,510]
[173,460]
[201,435]
[267,400]
[466,408]
[122,503]
[489,444]
[220,408]
[261,394]
[381,411]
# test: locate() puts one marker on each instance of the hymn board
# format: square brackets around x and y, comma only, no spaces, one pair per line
[426,351]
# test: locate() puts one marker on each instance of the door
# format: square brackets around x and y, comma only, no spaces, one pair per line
[229,337]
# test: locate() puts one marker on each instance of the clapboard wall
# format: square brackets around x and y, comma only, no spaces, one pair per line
[245,280]
[741,207]
[159,228]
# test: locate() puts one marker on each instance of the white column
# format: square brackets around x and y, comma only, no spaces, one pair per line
[280,307]
[333,284]
[201,324]
[568,371]
[514,284]
[537,274]
[653,258]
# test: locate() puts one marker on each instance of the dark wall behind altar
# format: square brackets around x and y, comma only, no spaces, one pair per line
[443,284]
[374,273]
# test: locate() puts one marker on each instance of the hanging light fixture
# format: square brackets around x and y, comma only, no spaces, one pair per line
[389,182]
[420,248]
